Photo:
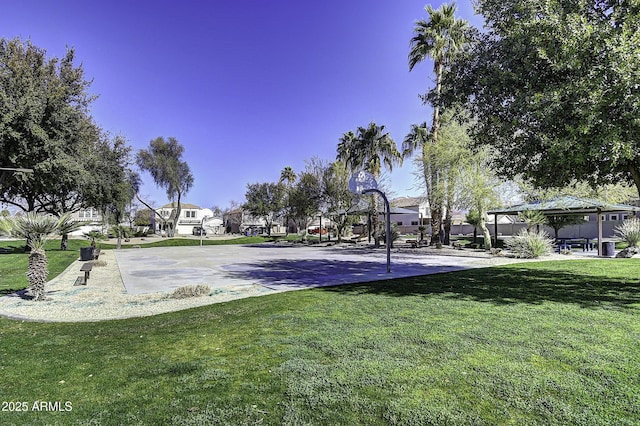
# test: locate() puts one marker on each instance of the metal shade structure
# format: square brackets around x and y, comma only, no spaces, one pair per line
[567,205]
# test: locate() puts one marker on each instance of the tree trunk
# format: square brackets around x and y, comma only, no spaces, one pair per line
[375,220]
[635,175]
[486,233]
[447,226]
[435,124]
[64,242]
[37,273]
[436,222]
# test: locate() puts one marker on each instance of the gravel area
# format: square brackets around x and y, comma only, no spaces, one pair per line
[104,297]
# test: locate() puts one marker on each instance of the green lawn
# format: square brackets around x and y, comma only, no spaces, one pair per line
[546,343]
[13,265]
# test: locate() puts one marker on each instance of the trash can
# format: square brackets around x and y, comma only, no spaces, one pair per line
[86,253]
[608,248]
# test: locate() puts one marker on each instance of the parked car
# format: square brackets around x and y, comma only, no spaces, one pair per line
[198,230]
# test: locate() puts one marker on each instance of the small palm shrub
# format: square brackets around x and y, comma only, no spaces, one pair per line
[629,231]
[530,244]
[37,229]
[191,291]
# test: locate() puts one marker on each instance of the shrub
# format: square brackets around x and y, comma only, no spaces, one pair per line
[530,244]
[191,291]
[629,231]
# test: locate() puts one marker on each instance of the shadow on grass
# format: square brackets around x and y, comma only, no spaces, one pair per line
[526,283]
[592,283]
[12,249]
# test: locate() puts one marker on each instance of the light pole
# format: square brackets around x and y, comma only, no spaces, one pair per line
[388,224]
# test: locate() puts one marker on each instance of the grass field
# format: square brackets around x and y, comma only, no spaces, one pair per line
[545,343]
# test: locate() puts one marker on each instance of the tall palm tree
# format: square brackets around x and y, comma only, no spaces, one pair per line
[439,38]
[37,229]
[369,149]
[287,175]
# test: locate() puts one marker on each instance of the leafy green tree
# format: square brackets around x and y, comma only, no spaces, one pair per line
[115,183]
[305,199]
[340,201]
[557,222]
[265,200]
[163,160]
[142,217]
[368,149]
[611,193]
[473,218]
[45,126]
[480,190]
[440,163]
[554,88]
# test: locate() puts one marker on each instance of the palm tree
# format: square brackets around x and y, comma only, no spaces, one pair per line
[37,229]
[368,150]
[419,138]
[287,175]
[532,218]
[438,38]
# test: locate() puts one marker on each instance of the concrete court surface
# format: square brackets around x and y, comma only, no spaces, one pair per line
[277,267]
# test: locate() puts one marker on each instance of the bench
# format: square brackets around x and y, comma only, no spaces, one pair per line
[416,243]
[86,268]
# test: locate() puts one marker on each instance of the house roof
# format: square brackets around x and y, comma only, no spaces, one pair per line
[567,205]
[408,201]
[174,205]
[365,211]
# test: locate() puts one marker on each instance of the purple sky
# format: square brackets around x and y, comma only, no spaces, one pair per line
[247,87]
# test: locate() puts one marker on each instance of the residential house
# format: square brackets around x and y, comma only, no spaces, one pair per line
[241,221]
[90,218]
[190,216]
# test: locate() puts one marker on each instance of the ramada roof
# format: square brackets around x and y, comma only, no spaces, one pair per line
[567,205]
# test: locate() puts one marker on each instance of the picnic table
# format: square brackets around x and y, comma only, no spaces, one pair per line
[587,244]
